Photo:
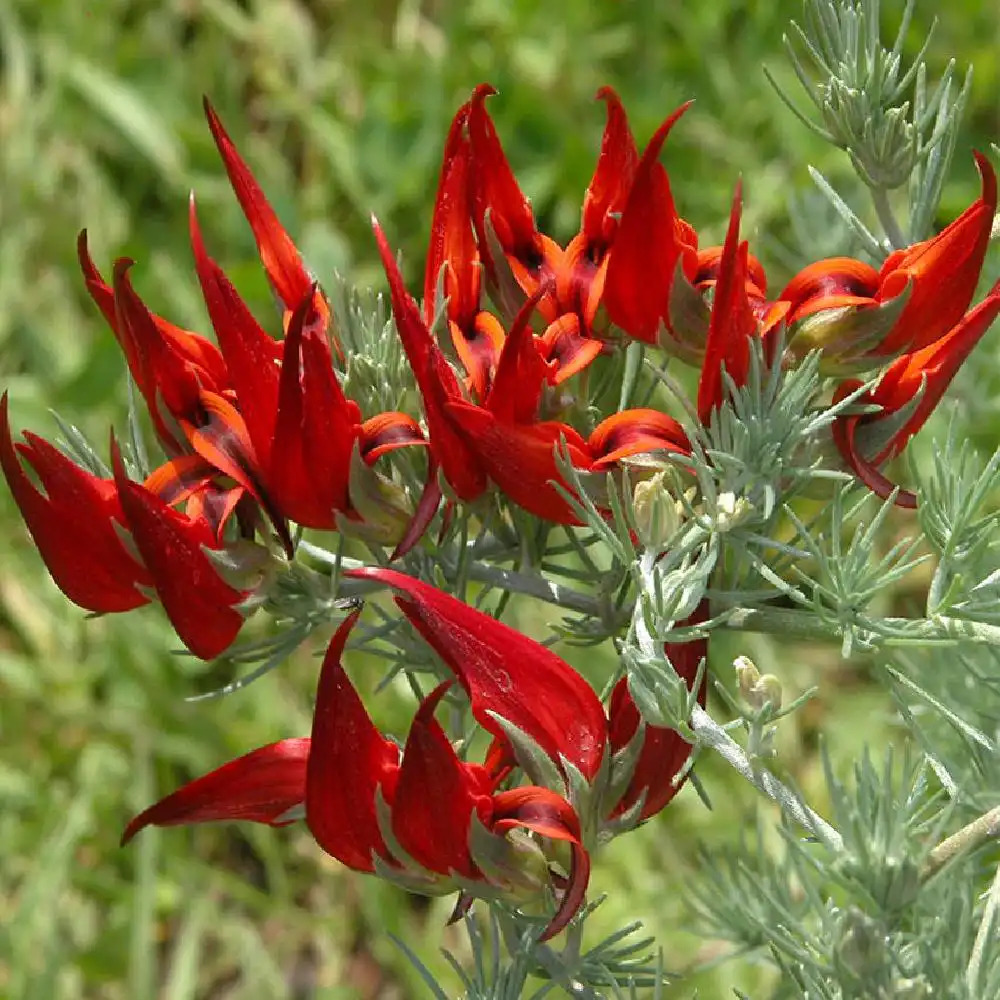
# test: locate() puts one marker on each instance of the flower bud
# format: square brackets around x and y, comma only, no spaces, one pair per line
[731,511]
[758,690]
[657,514]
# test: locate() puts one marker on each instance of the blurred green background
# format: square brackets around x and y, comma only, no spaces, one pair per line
[341,108]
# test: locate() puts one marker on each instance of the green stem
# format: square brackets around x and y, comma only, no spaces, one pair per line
[787,622]
[892,228]
[987,926]
[711,734]
[970,837]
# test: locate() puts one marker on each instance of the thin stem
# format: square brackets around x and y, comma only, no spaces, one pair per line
[986,926]
[788,622]
[891,227]
[977,833]
[713,735]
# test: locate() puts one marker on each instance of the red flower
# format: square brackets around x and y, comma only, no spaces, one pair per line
[513,680]
[73,524]
[921,292]
[653,249]
[268,414]
[502,440]
[908,391]
[113,544]
[445,822]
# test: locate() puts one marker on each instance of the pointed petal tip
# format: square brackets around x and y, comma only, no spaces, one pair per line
[989,178]
[481,92]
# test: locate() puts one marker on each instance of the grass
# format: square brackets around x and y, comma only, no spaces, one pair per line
[342,110]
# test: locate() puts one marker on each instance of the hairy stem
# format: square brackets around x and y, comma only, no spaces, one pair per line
[977,833]
[712,734]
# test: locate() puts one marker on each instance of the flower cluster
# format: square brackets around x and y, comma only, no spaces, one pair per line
[260,441]
[635,270]
[432,821]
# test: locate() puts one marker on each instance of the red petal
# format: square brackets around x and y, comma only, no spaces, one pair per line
[386,432]
[938,363]
[427,505]
[174,365]
[478,348]
[830,284]
[649,242]
[549,815]
[732,323]
[612,181]
[175,480]
[250,354]
[944,272]
[633,432]
[71,523]
[563,343]
[351,760]
[278,253]
[315,431]
[505,672]
[844,437]
[520,458]
[435,379]
[260,786]
[197,601]
[521,370]
[453,242]
[436,796]
[224,441]
[496,190]
[104,298]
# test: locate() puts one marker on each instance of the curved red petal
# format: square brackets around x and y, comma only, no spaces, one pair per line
[611,184]
[937,363]
[649,242]
[250,354]
[350,761]
[521,458]
[72,524]
[315,430]
[435,379]
[944,272]
[198,602]
[278,254]
[521,371]
[732,322]
[563,343]
[633,432]
[549,815]
[260,786]
[495,189]
[478,348]
[453,242]
[829,284]
[386,432]
[505,672]
[436,796]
